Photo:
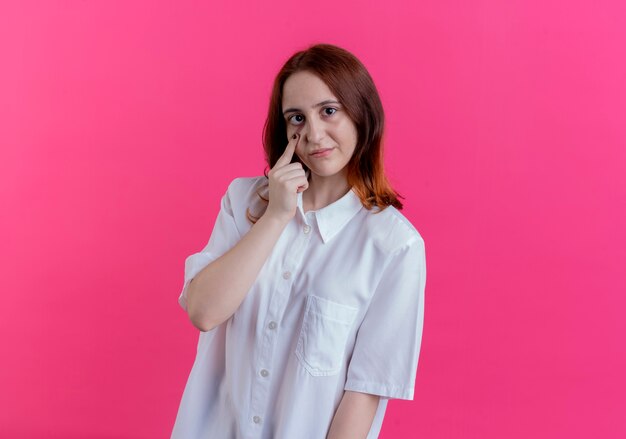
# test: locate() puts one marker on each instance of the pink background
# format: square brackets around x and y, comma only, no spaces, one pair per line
[121,124]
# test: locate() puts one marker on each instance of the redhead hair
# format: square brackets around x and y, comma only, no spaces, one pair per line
[350,82]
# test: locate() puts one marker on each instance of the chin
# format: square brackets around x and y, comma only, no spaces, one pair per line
[326,173]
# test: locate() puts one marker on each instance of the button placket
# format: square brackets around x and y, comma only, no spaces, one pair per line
[277,304]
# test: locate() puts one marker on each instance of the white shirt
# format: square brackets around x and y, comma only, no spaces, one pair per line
[338,305]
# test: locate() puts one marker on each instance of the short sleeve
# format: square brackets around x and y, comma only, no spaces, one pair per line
[387,346]
[224,236]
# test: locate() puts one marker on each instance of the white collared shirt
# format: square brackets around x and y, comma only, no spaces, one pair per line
[338,305]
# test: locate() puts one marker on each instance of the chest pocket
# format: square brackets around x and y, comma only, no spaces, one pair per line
[324,335]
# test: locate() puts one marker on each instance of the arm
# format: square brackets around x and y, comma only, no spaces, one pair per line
[218,290]
[354,416]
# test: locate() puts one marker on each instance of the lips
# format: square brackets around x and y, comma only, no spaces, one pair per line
[320,151]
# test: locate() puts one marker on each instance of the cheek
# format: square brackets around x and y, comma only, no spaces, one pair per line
[291,130]
[347,129]
[300,153]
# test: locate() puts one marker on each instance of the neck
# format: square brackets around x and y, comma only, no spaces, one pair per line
[323,191]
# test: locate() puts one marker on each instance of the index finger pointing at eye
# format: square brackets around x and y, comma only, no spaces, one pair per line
[285,158]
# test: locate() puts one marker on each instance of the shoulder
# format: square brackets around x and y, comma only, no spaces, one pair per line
[243,189]
[392,231]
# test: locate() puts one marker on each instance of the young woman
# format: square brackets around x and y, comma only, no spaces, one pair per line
[310,292]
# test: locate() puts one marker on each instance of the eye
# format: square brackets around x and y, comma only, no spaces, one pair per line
[293,121]
[297,119]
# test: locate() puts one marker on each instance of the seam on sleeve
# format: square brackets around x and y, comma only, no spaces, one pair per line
[232,193]
[388,391]
[415,240]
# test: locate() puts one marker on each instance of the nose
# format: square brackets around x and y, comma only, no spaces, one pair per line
[314,131]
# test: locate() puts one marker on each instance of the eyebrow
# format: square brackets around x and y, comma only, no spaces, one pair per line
[328,101]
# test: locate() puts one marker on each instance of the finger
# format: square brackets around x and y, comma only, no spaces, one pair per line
[304,187]
[286,157]
[290,173]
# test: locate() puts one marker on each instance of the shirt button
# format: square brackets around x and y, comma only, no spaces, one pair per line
[307,229]
[264,373]
[272,325]
[256,419]
[287,274]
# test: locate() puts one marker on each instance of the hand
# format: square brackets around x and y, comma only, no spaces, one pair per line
[286,181]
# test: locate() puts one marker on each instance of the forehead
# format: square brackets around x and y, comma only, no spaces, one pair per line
[305,89]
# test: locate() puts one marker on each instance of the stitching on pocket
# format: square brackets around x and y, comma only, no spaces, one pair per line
[323,338]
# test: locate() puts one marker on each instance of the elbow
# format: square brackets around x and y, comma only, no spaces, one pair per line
[204,328]
[201,322]
[198,319]
[200,316]
[205,324]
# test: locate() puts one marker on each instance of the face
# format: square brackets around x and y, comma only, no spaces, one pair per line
[310,109]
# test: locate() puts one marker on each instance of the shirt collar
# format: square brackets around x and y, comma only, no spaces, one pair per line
[332,218]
